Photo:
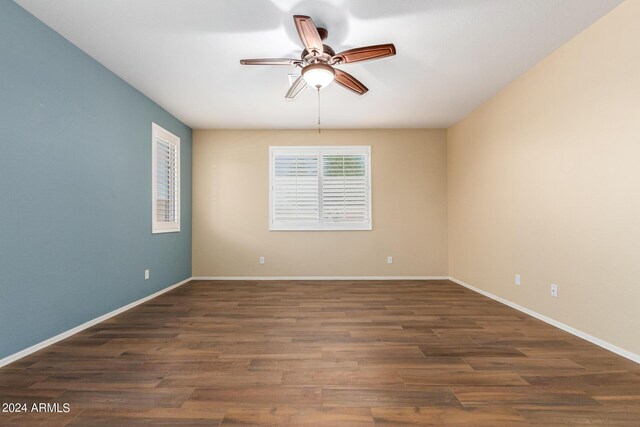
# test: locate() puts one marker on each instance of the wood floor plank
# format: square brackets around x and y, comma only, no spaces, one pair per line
[349,417]
[345,377]
[223,378]
[301,364]
[523,396]
[572,379]
[377,397]
[122,399]
[20,379]
[469,351]
[28,395]
[620,395]
[260,396]
[37,419]
[460,378]
[149,417]
[571,416]
[99,381]
[430,416]
[522,365]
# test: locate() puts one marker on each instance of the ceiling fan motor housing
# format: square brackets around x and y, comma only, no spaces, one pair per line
[326,55]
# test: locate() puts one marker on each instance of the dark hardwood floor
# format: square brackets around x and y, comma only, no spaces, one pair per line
[324,353]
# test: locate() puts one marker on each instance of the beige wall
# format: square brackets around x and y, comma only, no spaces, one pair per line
[544,181]
[230,207]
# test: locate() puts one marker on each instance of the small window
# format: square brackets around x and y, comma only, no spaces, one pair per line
[165,167]
[320,188]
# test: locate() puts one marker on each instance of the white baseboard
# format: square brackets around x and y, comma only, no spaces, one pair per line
[597,341]
[66,334]
[320,278]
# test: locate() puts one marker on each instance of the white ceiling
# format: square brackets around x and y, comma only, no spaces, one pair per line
[452,54]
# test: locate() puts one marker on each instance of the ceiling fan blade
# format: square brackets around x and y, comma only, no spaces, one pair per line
[270,61]
[365,53]
[308,33]
[296,88]
[348,81]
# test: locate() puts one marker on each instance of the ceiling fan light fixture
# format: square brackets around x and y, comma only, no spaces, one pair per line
[318,75]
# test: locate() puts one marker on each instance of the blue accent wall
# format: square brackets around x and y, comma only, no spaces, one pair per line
[75,187]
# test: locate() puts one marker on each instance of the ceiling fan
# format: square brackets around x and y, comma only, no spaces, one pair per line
[318,60]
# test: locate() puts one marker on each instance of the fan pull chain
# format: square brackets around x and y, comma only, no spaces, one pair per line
[318,109]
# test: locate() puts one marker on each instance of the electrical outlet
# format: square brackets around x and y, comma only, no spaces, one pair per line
[146,275]
[518,279]
[261,260]
[389,260]
[554,290]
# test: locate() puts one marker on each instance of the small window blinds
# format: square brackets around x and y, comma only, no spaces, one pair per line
[166,181]
[320,188]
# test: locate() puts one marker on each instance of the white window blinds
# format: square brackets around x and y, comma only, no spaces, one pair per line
[295,188]
[320,188]
[166,181]
[344,188]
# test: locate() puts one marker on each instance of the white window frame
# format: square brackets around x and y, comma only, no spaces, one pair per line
[320,225]
[158,132]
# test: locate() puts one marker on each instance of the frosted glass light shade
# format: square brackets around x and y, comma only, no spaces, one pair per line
[318,75]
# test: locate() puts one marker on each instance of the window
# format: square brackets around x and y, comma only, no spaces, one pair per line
[320,188]
[165,169]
